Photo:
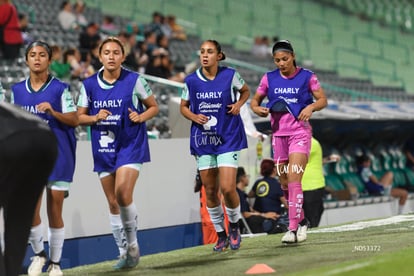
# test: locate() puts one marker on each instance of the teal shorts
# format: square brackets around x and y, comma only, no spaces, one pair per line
[59,185]
[135,166]
[228,159]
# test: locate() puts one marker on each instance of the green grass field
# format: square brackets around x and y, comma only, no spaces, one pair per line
[377,247]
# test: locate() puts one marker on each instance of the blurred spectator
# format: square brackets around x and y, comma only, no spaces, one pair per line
[163,42]
[66,17]
[89,37]
[87,68]
[79,69]
[95,61]
[258,222]
[408,150]
[131,55]
[154,66]
[161,66]
[143,57]
[382,185]
[256,46]
[156,24]
[175,76]
[79,9]
[260,47]
[160,63]
[151,42]
[176,30]
[373,185]
[108,26]
[268,194]
[72,57]
[165,28]
[134,29]
[57,67]
[11,39]
[24,28]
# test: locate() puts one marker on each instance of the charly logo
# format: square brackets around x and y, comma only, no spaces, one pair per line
[212,122]
[107,137]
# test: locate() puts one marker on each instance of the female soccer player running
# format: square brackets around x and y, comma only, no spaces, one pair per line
[290,91]
[116,102]
[211,103]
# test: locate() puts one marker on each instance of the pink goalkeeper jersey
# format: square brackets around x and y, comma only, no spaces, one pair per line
[284,123]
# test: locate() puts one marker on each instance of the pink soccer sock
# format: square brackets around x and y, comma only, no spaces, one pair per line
[295,205]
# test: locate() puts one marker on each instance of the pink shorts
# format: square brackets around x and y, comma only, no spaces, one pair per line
[285,145]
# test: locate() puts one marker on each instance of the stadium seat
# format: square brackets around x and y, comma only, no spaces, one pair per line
[334,182]
[345,176]
[386,159]
[409,176]
[355,180]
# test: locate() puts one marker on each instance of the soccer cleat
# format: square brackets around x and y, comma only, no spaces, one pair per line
[221,244]
[36,266]
[121,263]
[132,257]
[234,238]
[301,234]
[54,270]
[290,237]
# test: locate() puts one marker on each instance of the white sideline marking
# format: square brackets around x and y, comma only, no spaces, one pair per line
[365,224]
[348,268]
[253,235]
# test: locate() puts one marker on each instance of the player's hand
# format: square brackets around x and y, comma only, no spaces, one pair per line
[201,119]
[102,115]
[271,215]
[134,116]
[45,107]
[261,111]
[234,109]
[305,114]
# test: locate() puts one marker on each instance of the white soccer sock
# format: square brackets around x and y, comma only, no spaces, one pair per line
[400,209]
[129,218]
[233,214]
[217,218]
[387,190]
[118,233]
[36,238]
[56,240]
